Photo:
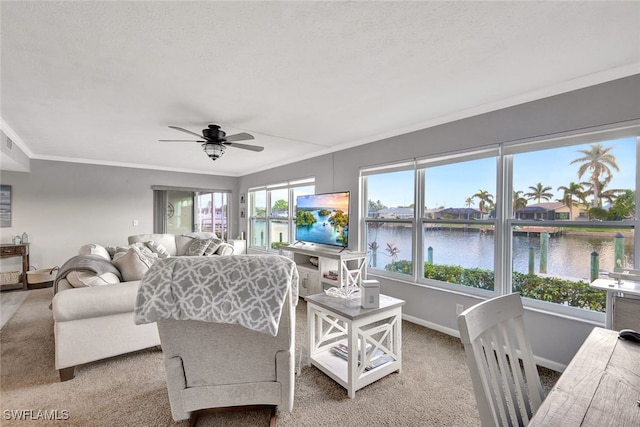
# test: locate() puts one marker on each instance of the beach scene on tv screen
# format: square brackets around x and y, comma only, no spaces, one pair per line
[323,219]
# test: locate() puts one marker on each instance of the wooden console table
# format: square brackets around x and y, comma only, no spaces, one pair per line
[333,321]
[11,250]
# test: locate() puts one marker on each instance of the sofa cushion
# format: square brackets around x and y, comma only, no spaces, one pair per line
[182,244]
[198,247]
[157,248]
[212,248]
[94,249]
[133,264]
[183,241]
[81,279]
[166,240]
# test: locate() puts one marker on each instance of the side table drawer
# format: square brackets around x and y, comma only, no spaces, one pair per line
[10,250]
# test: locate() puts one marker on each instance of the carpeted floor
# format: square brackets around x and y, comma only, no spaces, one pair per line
[434,388]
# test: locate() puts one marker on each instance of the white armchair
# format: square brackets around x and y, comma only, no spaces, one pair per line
[219,363]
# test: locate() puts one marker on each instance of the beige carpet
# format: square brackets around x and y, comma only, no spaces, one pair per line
[434,388]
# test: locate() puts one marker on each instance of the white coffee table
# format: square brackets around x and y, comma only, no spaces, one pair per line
[333,320]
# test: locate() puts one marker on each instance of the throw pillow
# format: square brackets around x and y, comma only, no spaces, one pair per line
[111,250]
[197,247]
[133,264]
[158,249]
[212,248]
[81,279]
[94,249]
[225,249]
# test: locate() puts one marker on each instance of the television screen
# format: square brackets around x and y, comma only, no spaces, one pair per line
[323,219]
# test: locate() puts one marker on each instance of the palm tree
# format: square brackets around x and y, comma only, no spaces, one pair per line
[570,193]
[393,251]
[611,195]
[599,162]
[469,202]
[608,195]
[519,202]
[485,200]
[539,192]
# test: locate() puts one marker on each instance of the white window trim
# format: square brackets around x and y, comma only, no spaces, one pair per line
[290,186]
[503,221]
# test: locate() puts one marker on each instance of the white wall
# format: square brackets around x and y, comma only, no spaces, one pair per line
[554,339]
[63,206]
[11,156]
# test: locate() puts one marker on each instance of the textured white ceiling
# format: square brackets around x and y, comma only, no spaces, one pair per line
[99,82]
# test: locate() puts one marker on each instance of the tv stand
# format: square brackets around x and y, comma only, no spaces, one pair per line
[335,267]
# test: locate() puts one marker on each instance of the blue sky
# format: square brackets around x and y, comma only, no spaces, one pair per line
[451,185]
[328,200]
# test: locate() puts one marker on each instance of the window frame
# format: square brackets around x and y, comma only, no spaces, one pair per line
[504,220]
[161,208]
[387,168]
[268,217]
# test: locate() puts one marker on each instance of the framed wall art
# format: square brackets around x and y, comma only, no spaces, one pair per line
[5,206]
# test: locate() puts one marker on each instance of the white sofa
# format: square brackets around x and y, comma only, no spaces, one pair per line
[93,310]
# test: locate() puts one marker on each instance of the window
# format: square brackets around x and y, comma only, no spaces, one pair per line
[459,220]
[572,219]
[390,221]
[543,218]
[258,218]
[178,211]
[271,213]
[211,212]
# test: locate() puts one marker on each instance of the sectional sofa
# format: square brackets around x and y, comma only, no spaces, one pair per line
[95,293]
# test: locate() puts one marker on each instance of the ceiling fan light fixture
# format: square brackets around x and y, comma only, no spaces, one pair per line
[214,151]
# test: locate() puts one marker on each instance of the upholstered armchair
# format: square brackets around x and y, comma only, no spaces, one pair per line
[242,355]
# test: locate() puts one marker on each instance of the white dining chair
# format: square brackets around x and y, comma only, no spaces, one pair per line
[498,352]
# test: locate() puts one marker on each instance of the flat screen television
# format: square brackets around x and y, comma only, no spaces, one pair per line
[323,219]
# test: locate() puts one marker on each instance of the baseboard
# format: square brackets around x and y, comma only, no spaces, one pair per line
[434,326]
[540,361]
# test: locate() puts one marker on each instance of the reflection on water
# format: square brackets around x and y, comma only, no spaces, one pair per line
[568,255]
[321,231]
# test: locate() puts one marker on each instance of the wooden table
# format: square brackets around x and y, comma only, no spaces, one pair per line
[13,250]
[332,320]
[599,388]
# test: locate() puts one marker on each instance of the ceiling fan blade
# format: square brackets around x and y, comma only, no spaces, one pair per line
[244,146]
[187,131]
[179,140]
[239,137]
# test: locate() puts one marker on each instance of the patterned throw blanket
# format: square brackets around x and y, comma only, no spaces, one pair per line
[249,290]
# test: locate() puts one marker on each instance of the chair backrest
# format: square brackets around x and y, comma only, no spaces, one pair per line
[498,352]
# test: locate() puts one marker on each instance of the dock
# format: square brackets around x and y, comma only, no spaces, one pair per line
[536,231]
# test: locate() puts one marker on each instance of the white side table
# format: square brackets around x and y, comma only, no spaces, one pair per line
[333,320]
[618,290]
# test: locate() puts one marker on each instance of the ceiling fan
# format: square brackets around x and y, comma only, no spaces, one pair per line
[215,141]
